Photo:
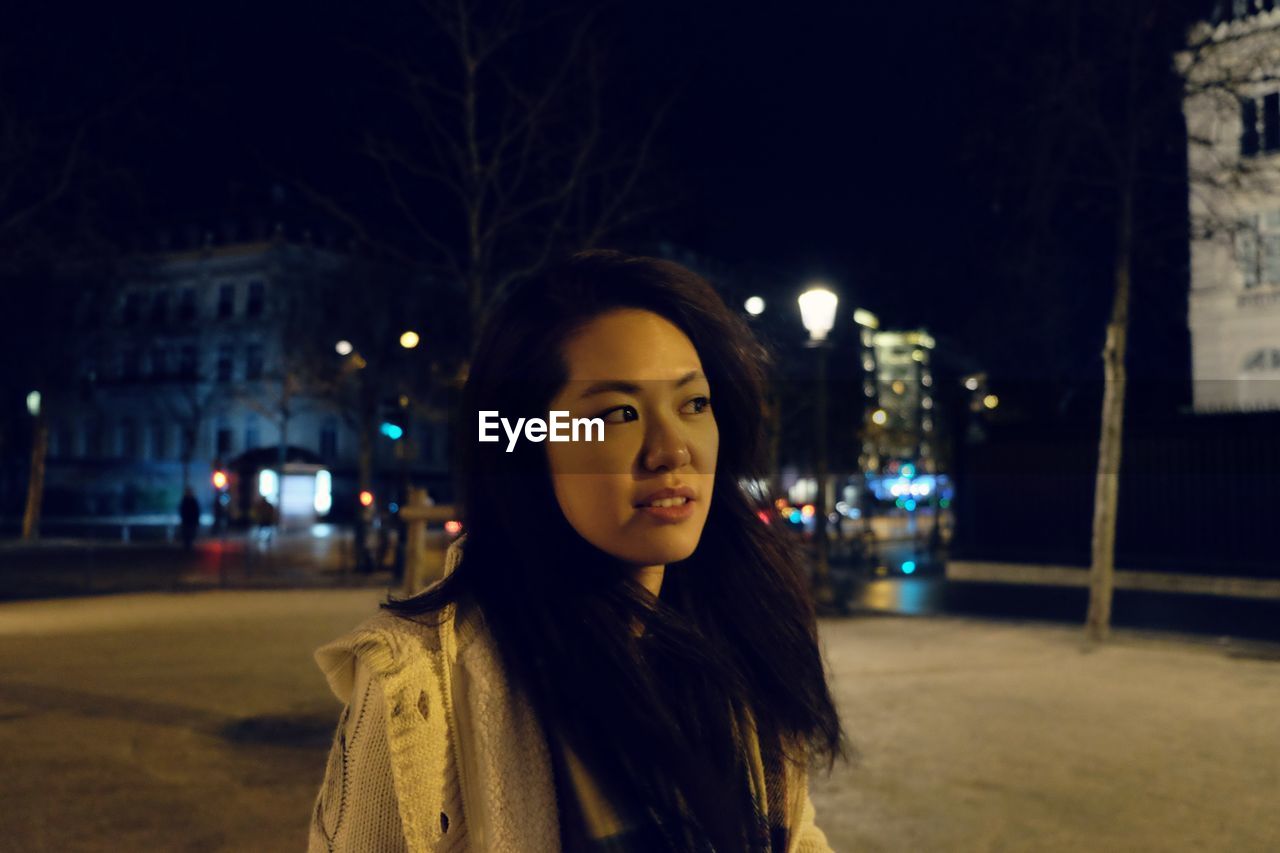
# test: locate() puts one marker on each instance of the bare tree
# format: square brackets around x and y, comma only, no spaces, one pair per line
[55,260]
[516,155]
[1097,101]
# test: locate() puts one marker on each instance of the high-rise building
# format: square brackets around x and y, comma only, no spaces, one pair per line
[900,382]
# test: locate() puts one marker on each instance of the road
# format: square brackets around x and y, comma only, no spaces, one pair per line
[318,556]
[198,722]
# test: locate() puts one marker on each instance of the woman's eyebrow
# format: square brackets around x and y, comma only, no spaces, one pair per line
[631,387]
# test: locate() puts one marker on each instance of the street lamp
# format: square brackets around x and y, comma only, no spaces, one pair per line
[754,306]
[818,313]
[409,339]
[344,347]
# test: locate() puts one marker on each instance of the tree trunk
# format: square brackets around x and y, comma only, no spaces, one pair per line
[35,483]
[1107,485]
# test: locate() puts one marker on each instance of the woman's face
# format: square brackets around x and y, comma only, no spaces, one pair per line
[639,373]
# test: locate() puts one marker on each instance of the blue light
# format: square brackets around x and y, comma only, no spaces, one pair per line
[908,567]
[795,516]
[392,431]
[393,506]
[910,505]
[908,470]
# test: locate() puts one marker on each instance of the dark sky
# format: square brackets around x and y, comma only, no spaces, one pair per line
[874,145]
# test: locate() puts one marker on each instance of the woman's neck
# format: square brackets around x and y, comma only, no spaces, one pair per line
[650,577]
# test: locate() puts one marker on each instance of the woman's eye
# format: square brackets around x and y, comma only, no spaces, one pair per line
[700,404]
[628,413]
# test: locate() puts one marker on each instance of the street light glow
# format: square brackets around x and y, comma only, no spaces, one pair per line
[344,347]
[409,339]
[818,312]
[33,403]
[879,417]
[863,317]
[991,401]
[754,306]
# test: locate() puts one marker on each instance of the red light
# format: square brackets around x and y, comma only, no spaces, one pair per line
[219,479]
[366,498]
[453,528]
[763,516]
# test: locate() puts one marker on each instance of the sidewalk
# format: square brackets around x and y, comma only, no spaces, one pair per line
[199,722]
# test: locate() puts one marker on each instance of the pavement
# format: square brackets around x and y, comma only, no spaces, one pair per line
[197,721]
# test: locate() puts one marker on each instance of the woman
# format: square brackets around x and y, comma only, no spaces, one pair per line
[621,655]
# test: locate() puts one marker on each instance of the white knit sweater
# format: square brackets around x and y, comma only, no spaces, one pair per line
[435,752]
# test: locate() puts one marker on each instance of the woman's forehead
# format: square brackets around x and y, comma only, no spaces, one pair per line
[630,343]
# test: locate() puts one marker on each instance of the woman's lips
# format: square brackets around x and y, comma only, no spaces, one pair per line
[668,514]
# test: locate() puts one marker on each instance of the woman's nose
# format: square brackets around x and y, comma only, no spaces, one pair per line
[666,447]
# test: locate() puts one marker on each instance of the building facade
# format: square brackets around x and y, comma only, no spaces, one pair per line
[190,373]
[899,381]
[1232,108]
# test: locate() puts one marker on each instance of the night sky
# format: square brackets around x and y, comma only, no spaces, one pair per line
[883,148]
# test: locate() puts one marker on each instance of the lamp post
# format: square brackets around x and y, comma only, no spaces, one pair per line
[818,313]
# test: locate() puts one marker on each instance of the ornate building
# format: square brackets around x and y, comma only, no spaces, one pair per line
[1232,107]
[191,372]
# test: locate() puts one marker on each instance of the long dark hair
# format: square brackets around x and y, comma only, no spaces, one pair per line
[734,629]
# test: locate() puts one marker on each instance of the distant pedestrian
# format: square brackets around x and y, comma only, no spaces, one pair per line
[263,516]
[189,514]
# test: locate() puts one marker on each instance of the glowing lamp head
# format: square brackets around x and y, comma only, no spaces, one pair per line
[879,417]
[991,401]
[219,479]
[453,528]
[818,312]
[754,306]
[366,497]
[343,347]
[409,339]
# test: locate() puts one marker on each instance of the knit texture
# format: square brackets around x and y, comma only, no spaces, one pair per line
[435,752]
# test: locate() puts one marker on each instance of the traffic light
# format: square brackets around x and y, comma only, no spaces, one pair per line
[394,415]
